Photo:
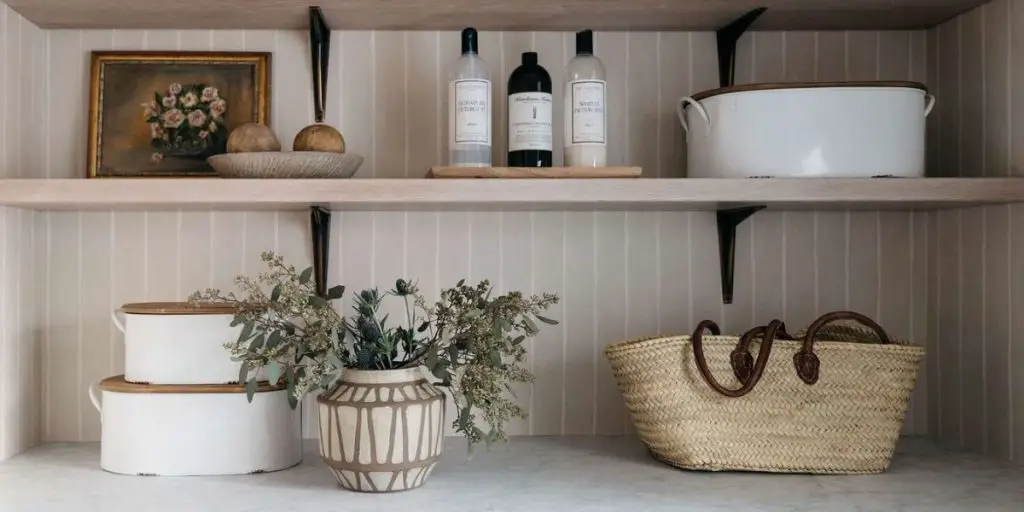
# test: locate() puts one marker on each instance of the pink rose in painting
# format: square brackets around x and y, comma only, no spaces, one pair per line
[203,135]
[217,108]
[173,118]
[189,100]
[156,131]
[209,94]
[157,157]
[175,89]
[196,118]
[170,101]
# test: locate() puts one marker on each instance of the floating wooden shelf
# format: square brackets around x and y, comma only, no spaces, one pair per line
[490,14]
[519,194]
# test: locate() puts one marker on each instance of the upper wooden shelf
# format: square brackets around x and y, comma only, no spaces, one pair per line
[490,14]
[518,194]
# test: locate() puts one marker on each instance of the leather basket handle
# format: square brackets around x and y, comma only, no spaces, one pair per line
[757,370]
[740,358]
[806,361]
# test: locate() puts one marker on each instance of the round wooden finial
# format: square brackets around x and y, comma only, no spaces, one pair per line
[252,138]
[319,137]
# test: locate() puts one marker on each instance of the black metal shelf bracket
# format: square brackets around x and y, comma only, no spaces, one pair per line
[320,221]
[320,218]
[320,52]
[727,221]
[727,37]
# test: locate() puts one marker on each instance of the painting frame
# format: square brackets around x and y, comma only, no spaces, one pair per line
[261,94]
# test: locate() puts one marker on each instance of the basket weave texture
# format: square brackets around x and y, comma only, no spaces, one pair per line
[846,422]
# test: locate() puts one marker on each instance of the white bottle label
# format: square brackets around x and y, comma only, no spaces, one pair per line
[529,121]
[588,117]
[471,102]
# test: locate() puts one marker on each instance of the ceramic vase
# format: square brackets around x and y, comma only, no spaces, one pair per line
[381,430]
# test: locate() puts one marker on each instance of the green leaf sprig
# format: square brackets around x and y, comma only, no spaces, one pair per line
[471,340]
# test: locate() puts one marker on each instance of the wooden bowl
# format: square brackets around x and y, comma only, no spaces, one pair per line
[281,165]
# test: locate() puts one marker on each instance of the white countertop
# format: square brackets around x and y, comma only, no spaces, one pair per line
[533,474]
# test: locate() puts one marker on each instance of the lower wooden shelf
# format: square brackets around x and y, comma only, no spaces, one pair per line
[516,194]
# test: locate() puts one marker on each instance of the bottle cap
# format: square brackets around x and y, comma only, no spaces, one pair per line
[529,58]
[584,42]
[469,40]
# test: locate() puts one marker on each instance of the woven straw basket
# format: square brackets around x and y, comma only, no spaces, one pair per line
[832,402]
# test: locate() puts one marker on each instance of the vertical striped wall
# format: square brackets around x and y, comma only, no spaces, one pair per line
[621,274]
[976,286]
[22,55]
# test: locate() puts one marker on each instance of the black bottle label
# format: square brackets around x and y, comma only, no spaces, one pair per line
[529,121]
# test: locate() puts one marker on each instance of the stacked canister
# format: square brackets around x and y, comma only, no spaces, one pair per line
[179,408]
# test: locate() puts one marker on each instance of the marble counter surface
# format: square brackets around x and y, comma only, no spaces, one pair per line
[535,474]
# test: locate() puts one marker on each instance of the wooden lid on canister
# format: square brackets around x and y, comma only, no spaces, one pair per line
[805,85]
[117,384]
[178,308]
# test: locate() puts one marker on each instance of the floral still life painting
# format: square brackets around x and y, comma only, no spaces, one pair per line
[187,121]
[162,114]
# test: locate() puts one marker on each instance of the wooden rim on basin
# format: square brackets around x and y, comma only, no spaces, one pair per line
[178,308]
[805,85]
[117,384]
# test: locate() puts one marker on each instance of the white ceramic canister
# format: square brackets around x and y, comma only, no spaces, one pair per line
[804,130]
[195,430]
[177,343]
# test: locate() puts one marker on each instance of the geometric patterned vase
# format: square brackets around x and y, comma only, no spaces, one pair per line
[381,430]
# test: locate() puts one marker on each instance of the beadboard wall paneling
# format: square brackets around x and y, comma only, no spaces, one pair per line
[21,356]
[976,397]
[22,75]
[621,274]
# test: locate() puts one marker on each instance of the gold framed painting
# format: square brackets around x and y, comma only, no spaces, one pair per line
[162,114]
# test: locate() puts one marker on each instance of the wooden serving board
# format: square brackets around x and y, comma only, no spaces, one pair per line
[534,172]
